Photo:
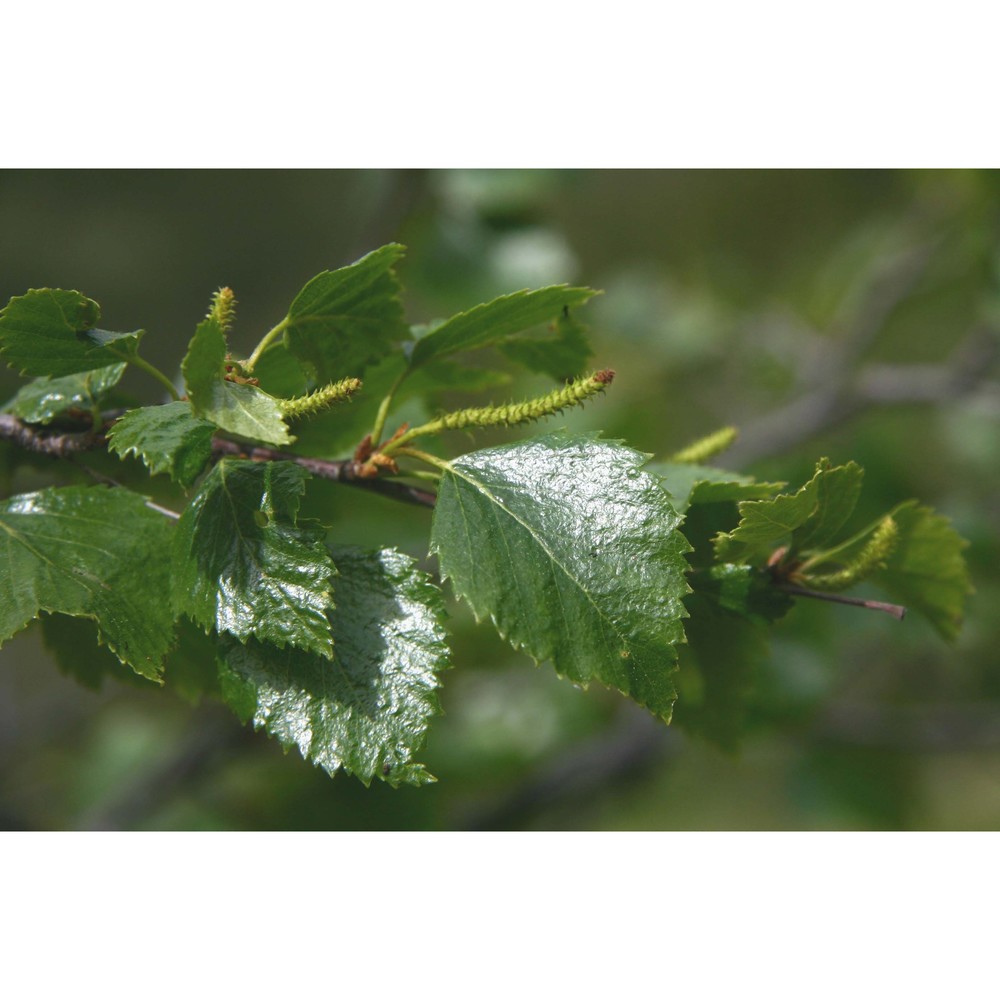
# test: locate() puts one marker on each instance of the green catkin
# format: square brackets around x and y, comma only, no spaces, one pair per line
[321,399]
[870,559]
[707,447]
[532,409]
[223,308]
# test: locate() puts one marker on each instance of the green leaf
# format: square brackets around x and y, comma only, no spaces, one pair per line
[811,516]
[43,399]
[837,492]
[926,571]
[572,550]
[244,565]
[167,438]
[724,651]
[368,710]
[92,552]
[743,590]
[561,357]
[494,321]
[50,331]
[344,319]
[691,484]
[239,409]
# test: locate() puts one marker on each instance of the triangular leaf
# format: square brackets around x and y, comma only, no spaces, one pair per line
[244,565]
[837,492]
[167,438]
[926,570]
[572,550]
[494,321]
[368,710]
[239,409]
[50,331]
[344,319]
[43,399]
[92,552]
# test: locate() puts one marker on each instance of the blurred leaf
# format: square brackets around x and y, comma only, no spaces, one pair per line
[92,552]
[561,357]
[368,710]
[50,331]
[168,438]
[926,571]
[244,565]
[695,484]
[573,551]
[43,399]
[491,322]
[344,319]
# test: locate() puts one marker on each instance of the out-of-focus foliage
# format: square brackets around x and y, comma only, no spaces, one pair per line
[848,314]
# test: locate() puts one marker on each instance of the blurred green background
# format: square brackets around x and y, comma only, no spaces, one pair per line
[853,314]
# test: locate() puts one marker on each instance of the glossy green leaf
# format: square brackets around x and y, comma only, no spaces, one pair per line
[92,552]
[689,484]
[368,710]
[494,321]
[51,332]
[243,563]
[572,550]
[562,356]
[926,571]
[343,320]
[240,409]
[43,399]
[167,438]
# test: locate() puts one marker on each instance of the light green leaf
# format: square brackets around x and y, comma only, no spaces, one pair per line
[167,438]
[368,710]
[43,399]
[243,563]
[494,321]
[344,319]
[696,484]
[926,571]
[811,516]
[95,553]
[50,331]
[572,549]
[240,409]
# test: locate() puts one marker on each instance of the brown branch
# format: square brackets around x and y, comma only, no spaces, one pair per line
[59,443]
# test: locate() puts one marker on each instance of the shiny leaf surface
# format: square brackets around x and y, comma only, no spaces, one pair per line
[243,563]
[91,552]
[368,710]
[572,550]
[43,399]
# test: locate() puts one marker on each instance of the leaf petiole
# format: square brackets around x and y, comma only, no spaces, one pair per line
[151,370]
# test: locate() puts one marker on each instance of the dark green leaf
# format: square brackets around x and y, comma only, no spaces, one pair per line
[94,553]
[240,409]
[50,331]
[723,653]
[244,565]
[167,438]
[43,399]
[494,321]
[691,484]
[572,550]
[561,357]
[368,710]
[926,571]
[344,319]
